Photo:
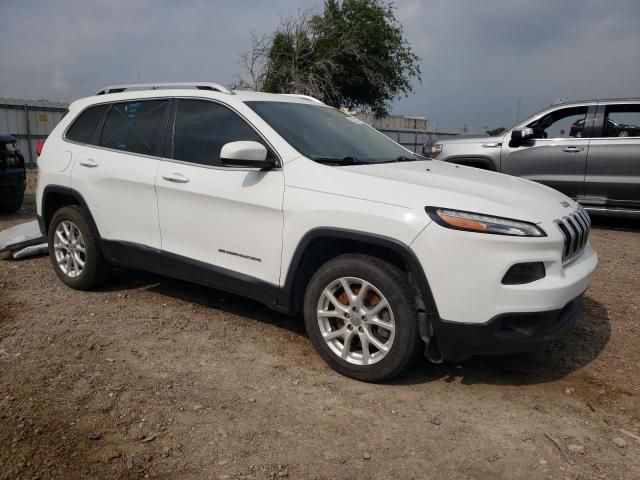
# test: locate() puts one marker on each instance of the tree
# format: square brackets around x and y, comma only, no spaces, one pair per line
[353,55]
[496,131]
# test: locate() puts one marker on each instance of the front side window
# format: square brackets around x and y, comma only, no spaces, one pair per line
[622,121]
[566,122]
[85,125]
[202,128]
[328,135]
[136,127]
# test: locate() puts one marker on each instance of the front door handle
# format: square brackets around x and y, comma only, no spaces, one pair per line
[88,162]
[175,178]
[572,149]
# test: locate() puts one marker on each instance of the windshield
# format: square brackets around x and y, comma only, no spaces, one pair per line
[328,135]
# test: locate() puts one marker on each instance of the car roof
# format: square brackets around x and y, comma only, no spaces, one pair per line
[594,101]
[235,95]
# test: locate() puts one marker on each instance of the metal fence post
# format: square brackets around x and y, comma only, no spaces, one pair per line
[26,118]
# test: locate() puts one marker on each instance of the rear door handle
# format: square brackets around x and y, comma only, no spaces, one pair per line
[572,149]
[88,162]
[175,178]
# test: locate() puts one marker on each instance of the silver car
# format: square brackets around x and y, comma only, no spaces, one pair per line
[588,150]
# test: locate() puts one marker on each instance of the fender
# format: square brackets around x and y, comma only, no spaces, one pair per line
[286,293]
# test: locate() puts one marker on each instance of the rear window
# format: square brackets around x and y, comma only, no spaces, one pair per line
[84,126]
[136,127]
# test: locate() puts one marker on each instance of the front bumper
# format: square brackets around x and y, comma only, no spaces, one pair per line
[465,272]
[506,333]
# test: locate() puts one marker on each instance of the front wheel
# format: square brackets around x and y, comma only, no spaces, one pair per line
[360,314]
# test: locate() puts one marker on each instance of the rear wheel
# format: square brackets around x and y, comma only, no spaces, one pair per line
[361,317]
[74,249]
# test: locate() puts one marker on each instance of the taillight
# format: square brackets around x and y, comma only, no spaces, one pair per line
[39,146]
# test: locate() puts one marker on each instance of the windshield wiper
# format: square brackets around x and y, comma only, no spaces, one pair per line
[349,160]
[401,158]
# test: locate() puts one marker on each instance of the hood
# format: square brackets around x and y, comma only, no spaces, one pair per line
[439,184]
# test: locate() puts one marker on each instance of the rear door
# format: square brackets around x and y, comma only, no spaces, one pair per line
[613,163]
[557,155]
[116,177]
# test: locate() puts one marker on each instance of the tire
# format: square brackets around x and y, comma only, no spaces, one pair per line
[394,327]
[13,205]
[67,258]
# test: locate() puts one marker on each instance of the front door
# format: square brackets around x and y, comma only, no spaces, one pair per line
[556,155]
[229,219]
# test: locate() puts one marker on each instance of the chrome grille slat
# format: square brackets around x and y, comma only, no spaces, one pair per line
[575,230]
[579,230]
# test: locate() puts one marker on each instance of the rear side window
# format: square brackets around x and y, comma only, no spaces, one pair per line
[202,128]
[136,127]
[85,125]
[622,121]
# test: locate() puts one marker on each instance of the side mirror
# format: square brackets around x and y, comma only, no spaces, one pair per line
[521,134]
[244,154]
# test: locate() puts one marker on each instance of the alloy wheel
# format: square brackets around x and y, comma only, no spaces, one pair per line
[69,249]
[356,321]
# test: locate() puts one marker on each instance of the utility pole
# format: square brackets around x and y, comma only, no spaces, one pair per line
[518,109]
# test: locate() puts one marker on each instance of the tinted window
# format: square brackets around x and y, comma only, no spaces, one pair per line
[622,121]
[136,127]
[566,122]
[202,128]
[85,125]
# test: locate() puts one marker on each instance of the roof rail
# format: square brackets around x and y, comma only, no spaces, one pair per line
[304,97]
[156,86]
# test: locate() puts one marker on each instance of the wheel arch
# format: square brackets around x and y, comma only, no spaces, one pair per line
[477,161]
[54,197]
[321,244]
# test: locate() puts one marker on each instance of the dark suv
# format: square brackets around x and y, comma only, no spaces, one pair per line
[13,178]
[588,150]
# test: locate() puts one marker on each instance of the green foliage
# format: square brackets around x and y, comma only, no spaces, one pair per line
[351,55]
[496,131]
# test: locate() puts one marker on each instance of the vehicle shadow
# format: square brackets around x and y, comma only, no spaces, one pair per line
[615,223]
[126,279]
[576,349]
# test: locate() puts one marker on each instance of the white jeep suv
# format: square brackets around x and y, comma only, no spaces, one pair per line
[293,203]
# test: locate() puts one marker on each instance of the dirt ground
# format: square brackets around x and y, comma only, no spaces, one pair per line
[157,378]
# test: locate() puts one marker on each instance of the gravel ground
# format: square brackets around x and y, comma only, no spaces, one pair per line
[157,378]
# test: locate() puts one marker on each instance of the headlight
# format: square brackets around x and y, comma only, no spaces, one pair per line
[11,147]
[476,222]
[436,150]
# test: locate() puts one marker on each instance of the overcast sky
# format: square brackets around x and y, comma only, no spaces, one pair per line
[477,57]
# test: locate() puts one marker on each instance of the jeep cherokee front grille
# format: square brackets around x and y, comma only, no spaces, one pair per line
[575,230]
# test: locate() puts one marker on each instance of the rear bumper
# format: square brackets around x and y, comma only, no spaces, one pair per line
[506,333]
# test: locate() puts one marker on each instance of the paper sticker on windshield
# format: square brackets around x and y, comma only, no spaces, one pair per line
[355,120]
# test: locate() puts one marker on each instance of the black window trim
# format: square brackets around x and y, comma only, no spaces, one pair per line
[169,143]
[167,150]
[98,131]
